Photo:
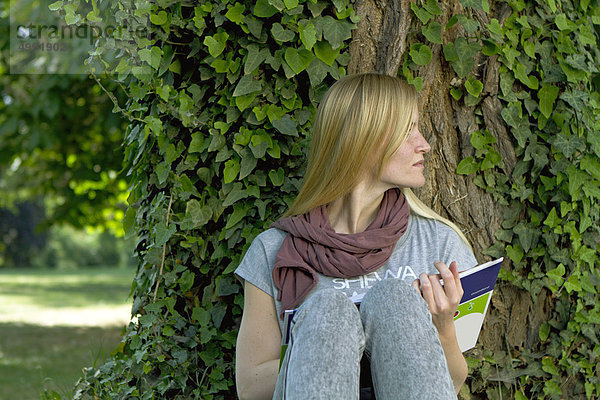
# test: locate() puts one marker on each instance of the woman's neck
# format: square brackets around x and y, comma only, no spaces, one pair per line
[354,212]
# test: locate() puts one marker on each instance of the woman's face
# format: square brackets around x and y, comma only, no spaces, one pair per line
[405,167]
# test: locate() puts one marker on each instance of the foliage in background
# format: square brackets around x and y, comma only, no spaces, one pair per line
[218,122]
[24,245]
[70,248]
[60,140]
[19,240]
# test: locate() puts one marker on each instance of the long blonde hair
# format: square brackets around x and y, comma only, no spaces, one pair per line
[351,140]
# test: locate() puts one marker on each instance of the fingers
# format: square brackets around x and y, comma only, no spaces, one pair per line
[415,285]
[441,299]
[459,288]
[449,290]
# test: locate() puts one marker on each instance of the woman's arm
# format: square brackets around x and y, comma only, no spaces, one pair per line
[258,346]
[443,302]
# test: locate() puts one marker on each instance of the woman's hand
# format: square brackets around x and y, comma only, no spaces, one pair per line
[442,300]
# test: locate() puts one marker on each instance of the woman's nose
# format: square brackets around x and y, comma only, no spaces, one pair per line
[423,145]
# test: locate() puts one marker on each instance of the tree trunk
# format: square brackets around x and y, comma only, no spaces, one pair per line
[379,44]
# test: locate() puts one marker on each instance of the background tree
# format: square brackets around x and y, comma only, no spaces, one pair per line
[220,96]
[59,138]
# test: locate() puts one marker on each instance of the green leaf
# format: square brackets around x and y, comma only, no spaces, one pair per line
[186,281]
[308,35]
[495,27]
[246,85]
[576,178]
[481,138]
[549,366]
[456,93]
[55,6]
[515,253]
[553,220]
[474,86]
[591,165]
[254,58]
[520,396]
[544,331]
[232,168]
[556,275]
[325,52]
[164,233]
[433,32]
[286,125]
[450,53]
[547,95]
[489,47]
[477,4]
[433,7]
[512,115]
[129,222]
[197,214]
[420,53]
[160,18]
[277,176]
[528,237]
[248,163]
[201,316]
[491,160]
[236,13]
[71,18]
[162,172]
[572,284]
[317,71]
[290,4]
[281,34]
[564,24]
[237,193]
[470,25]
[216,43]
[239,212]
[154,124]
[465,52]
[163,92]
[422,14]
[263,9]
[151,56]
[336,32]
[298,60]
[467,166]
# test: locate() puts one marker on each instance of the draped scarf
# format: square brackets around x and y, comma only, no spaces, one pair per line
[311,246]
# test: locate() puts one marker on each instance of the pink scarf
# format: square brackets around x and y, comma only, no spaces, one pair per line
[312,246]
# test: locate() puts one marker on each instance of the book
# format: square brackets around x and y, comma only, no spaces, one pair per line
[478,284]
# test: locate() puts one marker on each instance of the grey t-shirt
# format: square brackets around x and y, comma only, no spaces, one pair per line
[424,242]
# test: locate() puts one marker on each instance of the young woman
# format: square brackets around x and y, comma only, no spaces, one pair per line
[356,233]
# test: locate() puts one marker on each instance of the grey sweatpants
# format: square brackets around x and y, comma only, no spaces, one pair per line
[393,326]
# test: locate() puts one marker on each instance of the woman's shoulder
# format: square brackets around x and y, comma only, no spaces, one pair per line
[270,237]
[268,241]
[434,225]
[430,229]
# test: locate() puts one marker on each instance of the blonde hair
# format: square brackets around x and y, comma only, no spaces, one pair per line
[351,139]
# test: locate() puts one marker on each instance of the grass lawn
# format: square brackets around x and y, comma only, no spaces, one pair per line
[54,323]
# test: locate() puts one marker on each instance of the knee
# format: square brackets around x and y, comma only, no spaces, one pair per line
[391,295]
[330,308]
